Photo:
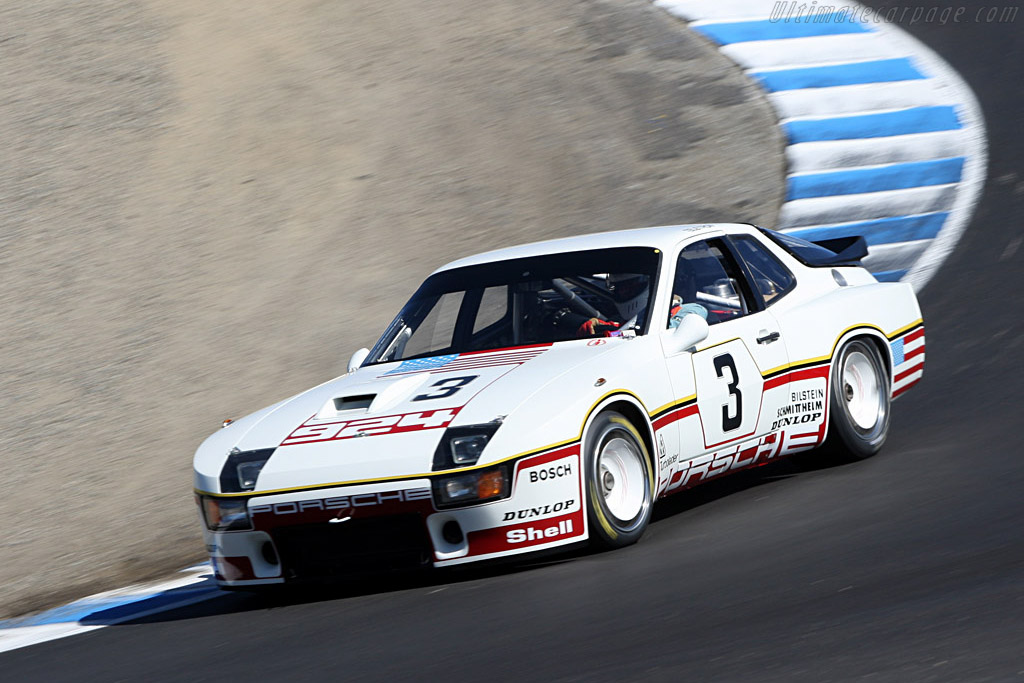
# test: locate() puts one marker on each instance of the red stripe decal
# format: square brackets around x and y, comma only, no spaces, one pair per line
[902,389]
[916,334]
[675,415]
[534,460]
[507,348]
[907,373]
[525,535]
[916,352]
[796,376]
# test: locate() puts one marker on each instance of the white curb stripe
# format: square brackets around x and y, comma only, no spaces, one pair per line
[888,257]
[853,99]
[836,154]
[817,211]
[831,81]
[692,10]
[798,52]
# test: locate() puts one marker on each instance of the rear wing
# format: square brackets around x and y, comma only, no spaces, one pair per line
[847,250]
[839,251]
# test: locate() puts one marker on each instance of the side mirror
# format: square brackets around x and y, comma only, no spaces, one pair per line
[692,330]
[357,359]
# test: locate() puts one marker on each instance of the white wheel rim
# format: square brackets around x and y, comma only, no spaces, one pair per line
[621,479]
[861,390]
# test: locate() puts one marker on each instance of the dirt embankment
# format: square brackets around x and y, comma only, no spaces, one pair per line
[205,207]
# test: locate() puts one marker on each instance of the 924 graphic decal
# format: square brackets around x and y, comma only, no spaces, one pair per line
[311,432]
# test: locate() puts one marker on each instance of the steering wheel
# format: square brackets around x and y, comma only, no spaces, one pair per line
[575,302]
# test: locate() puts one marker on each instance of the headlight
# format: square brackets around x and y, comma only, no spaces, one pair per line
[242,468]
[225,514]
[463,446]
[466,450]
[471,487]
[248,472]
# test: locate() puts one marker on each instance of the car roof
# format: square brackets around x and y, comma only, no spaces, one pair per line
[662,237]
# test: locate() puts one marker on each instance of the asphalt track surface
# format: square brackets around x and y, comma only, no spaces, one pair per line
[906,567]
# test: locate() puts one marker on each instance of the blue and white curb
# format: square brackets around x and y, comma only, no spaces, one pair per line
[195,584]
[885,140]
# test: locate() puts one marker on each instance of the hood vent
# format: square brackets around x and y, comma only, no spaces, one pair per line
[361,402]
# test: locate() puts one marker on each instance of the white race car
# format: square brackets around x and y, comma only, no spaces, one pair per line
[545,395]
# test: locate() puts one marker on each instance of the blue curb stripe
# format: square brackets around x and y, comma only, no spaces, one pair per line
[880,231]
[98,611]
[903,122]
[836,23]
[879,179]
[125,611]
[106,611]
[879,71]
[890,275]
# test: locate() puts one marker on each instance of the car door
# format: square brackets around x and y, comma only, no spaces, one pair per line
[797,394]
[726,372]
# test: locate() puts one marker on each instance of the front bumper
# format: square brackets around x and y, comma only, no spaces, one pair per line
[329,534]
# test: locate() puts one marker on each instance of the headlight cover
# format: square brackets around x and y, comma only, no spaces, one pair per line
[463,446]
[242,468]
[470,488]
[225,514]
[466,450]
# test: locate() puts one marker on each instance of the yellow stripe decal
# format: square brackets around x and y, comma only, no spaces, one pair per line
[819,359]
[669,406]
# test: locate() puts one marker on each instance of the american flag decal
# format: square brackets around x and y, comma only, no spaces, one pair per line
[472,360]
[907,360]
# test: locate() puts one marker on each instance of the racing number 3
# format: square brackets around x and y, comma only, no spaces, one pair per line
[446,387]
[732,422]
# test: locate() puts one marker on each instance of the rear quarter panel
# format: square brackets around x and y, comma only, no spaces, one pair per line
[815,324]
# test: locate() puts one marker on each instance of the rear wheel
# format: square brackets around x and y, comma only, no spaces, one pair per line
[860,397]
[618,478]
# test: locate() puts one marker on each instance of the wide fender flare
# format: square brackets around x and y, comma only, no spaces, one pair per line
[865,331]
[853,333]
[644,431]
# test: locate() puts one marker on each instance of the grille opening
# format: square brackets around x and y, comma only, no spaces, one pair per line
[359,546]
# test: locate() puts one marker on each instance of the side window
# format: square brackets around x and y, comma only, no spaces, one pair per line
[707,283]
[771,276]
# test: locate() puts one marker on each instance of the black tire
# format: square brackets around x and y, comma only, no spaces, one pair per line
[859,402]
[618,477]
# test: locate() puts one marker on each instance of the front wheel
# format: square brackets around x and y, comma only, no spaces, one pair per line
[618,478]
[860,399]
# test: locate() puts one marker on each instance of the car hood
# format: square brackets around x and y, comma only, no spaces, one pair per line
[385,421]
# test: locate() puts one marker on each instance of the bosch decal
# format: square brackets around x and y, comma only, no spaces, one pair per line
[554,472]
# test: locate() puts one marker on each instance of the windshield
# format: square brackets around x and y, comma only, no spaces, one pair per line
[535,300]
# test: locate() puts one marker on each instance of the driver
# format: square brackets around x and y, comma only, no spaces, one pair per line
[595,327]
[684,300]
[626,292]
